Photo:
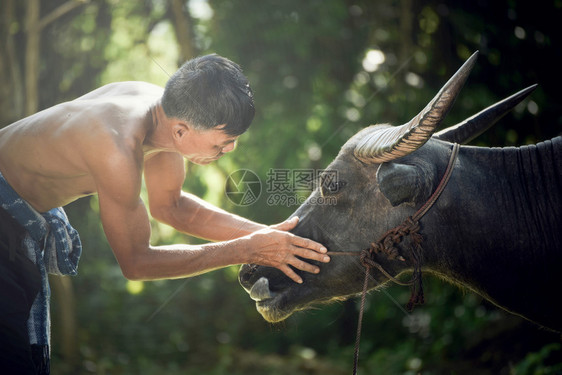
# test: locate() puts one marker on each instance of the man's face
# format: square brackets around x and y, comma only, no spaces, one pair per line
[205,146]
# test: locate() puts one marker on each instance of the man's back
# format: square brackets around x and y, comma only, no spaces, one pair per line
[48,157]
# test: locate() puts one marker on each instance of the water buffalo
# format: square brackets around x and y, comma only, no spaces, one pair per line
[495,229]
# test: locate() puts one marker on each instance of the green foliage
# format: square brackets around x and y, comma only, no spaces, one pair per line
[320,70]
[536,363]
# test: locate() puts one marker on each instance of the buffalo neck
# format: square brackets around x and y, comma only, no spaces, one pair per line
[497,226]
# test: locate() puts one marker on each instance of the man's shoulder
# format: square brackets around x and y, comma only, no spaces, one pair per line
[125,88]
[117,105]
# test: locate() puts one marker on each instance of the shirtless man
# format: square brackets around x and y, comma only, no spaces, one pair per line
[103,142]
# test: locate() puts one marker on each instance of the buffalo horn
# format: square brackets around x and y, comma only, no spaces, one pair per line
[472,127]
[389,143]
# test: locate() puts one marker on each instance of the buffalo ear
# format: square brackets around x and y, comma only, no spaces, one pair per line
[400,183]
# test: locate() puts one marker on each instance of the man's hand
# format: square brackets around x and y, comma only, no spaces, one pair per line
[274,247]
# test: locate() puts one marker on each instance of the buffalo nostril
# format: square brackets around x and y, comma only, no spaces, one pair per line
[246,273]
[244,277]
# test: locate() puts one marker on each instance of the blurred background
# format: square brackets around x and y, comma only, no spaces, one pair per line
[320,70]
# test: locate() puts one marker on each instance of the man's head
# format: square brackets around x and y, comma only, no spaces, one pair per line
[209,91]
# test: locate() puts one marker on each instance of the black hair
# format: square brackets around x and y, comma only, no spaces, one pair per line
[209,91]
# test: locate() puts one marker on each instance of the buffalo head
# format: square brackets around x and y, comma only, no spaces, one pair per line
[381,176]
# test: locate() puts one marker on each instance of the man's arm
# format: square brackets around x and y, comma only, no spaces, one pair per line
[164,175]
[126,224]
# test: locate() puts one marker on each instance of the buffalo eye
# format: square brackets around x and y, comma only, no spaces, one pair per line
[332,187]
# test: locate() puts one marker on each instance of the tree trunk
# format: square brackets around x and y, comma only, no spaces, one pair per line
[406,27]
[65,326]
[184,31]
[11,85]
[32,56]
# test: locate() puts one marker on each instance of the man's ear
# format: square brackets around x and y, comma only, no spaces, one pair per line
[180,130]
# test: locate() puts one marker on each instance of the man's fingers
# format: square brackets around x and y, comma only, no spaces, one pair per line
[287,225]
[289,248]
[309,254]
[309,244]
[303,266]
[291,274]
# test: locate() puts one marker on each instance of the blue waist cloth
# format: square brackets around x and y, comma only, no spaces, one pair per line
[52,244]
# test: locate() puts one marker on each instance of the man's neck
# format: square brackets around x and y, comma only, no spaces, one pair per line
[158,134]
